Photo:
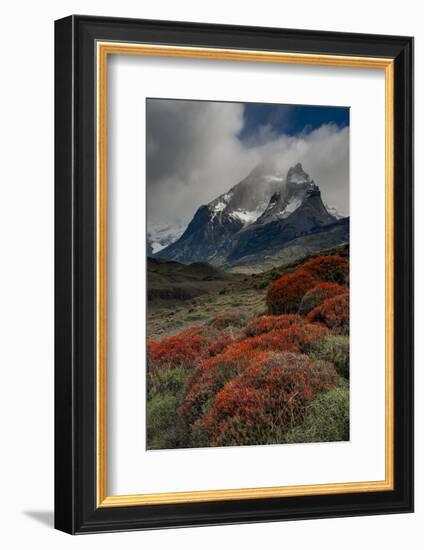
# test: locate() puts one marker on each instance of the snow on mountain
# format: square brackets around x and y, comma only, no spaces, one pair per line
[247,200]
[219,206]
[247,217]
[159,237]
[292,205]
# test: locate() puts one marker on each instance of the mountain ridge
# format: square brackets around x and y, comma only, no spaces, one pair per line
[264,211]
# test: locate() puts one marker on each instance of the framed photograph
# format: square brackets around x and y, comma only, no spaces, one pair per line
[234,274]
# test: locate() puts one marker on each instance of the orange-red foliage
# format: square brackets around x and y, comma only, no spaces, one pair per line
[296,338]
[266,323]
[183,349]
[213,373]
[266,398]
[334,313]
[285,294]
[331,269]
[227,337]
[318,295]
[209,377]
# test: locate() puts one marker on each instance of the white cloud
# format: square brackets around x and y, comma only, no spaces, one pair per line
[194,155]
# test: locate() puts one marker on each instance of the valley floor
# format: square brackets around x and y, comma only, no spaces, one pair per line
[236,293]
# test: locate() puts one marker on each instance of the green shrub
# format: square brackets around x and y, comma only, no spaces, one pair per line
[161,430]
[334,349]
[326,419]
[169,380]
[165,392]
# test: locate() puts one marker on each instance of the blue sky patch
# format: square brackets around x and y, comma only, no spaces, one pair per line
[290,120]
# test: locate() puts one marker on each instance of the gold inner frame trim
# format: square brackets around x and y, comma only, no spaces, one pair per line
[103,50]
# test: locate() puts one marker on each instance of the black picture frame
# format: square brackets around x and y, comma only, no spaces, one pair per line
[76,508]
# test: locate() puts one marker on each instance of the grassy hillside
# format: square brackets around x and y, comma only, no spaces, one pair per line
[172,281]
[180,295]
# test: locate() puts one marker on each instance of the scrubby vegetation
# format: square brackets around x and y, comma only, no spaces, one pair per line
[275,377]
[335,349]
[326,418]
[266,399]
[319,294]
[334,313]
[330,269]
[266,323]
[286,293]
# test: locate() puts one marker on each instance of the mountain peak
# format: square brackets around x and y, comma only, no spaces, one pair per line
[265,210]
[299,187]
[296,174]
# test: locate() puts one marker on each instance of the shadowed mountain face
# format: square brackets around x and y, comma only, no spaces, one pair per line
[264,212]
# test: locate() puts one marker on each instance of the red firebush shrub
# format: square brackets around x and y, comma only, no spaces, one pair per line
[266,323]
[318,295]
[265,400]
[334,313]
[330,269]
[227,337]
[296,338]
[183,349]
[209,377]
[285,294]
[212,373]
